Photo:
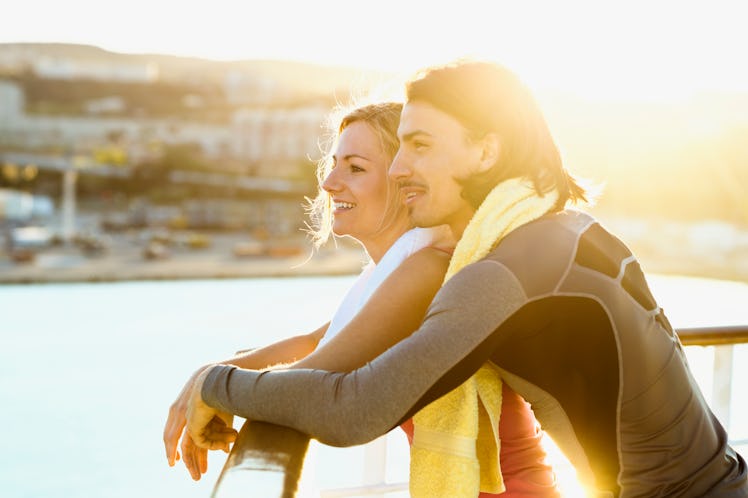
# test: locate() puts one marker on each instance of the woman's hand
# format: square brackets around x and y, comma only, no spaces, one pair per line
[209,428]
[176,420]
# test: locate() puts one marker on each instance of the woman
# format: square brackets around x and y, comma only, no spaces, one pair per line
[356,199]
[407,268]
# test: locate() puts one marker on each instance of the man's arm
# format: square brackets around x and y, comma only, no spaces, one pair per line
[284,351]
[344,409]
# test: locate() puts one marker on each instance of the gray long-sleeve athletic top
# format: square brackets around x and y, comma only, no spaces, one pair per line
[562,308]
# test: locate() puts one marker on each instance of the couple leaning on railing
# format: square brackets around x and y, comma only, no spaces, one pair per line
[502,310]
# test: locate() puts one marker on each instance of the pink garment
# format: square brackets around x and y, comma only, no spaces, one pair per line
[523,466]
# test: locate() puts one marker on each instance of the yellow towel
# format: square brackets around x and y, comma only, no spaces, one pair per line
[456,444]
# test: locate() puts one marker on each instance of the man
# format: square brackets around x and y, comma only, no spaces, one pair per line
[559,306]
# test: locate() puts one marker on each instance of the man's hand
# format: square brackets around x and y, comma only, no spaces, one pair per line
[194,457]
[209,428]
[176,420]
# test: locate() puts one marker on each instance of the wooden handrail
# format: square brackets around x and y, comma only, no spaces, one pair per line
[266,459]
[713,336]
[265,462]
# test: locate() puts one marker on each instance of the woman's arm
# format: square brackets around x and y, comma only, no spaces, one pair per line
[281,352]
[392,313]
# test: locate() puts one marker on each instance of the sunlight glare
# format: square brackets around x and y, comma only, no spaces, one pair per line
[632,50]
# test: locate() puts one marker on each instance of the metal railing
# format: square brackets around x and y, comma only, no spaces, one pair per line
[267,459]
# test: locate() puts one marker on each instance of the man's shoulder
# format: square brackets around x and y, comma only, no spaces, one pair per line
[539,253]
[568,220]
[553,232]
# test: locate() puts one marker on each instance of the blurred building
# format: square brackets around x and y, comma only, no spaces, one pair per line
[11,106]
[81,133]
[245,89]
[257,158]
[273,142]
[58,67]
[270,139]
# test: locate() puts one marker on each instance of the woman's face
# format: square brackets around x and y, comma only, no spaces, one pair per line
[366,203]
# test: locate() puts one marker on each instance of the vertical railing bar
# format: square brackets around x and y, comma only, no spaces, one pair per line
[375,461]
[722,384]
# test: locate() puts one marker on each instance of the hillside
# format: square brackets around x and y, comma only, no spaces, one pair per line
[296,77]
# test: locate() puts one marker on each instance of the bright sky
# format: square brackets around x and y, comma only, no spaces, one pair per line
[638,48]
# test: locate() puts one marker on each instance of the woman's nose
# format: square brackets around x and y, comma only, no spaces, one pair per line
[330,183]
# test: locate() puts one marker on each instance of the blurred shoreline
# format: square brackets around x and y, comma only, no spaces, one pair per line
[709,250]
[125,259]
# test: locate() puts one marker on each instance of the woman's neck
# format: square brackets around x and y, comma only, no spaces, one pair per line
[377,246]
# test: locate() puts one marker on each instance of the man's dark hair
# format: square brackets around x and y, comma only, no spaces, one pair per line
[487,98]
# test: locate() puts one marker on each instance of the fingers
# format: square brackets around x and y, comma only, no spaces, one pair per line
[202,459]
[176,420]
[172,431]
[188,459]
[195,458]
[215,435]
[222,431]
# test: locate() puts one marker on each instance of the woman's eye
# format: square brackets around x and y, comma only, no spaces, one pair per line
[420,145]
[356,169]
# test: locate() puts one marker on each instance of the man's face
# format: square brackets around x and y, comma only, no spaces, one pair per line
[435,152]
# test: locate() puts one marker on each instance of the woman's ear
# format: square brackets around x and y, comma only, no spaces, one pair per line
[490,151]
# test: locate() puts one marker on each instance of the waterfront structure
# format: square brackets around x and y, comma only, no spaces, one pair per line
[275,141]
[273,148]
[59,67]
[267,138]
[261,142]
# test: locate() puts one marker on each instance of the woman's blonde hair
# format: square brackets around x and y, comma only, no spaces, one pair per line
[384,119]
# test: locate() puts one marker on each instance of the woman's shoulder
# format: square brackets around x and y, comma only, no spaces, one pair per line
[429,258]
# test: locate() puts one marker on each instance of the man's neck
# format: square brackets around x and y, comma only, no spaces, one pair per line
[458,226]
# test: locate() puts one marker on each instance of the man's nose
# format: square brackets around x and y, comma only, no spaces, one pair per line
[399,169]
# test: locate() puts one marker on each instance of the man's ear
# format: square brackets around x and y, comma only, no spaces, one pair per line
[490,151]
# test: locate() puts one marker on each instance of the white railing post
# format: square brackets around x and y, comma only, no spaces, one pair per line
[375,461]
[722,384]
